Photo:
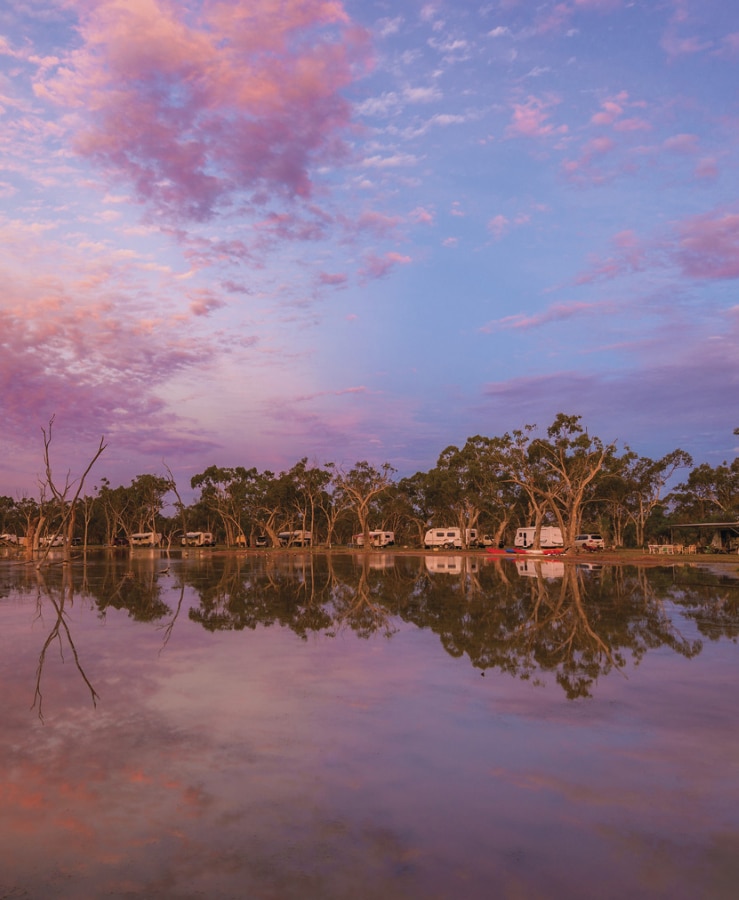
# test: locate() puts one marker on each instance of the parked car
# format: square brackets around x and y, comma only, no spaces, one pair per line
[589,541]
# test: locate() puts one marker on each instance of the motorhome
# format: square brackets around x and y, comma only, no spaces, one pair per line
[449,538]
[198,539]
[146,539]
[550,536]
[53,540]
[377,539]
[9,539]
[295,538]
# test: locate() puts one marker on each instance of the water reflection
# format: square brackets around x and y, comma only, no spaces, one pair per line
[315,726]
[532,619]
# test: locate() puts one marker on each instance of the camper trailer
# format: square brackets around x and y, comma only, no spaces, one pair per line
[146,539]
[295,538]
[550,536]
[377,539]
[198,539]
[449,538]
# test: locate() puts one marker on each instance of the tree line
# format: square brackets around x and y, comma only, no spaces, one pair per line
[561,475]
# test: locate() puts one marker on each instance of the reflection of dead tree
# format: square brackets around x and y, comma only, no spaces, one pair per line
[360,612]
[169,627]
[59,630]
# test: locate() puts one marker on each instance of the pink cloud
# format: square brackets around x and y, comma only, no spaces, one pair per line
[707,169]
[605,5]
[498,226]
[582,169]
[558,312]
[729,45]
[379,266]
[632,124]
[630,256]
[98,368]
[422,216]
[337,279]
[530,119]
[675,46]
[248,99]
[682,143]
[554,19]
[709,246]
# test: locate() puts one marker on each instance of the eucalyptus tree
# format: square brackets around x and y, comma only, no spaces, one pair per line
[8,514]
[148,492]
[360,487]
[460,472]
[486,491]
[522,464]
[709,493]
[118,509]
[310,483]
[411,495]
[275,504]
[644,481]
[332,502]
[228,493]
[571,460]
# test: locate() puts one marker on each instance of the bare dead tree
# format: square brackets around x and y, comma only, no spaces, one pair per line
[60,494]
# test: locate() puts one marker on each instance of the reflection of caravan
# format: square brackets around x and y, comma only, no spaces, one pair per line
[146,539]
[533,568]
[377,539]
[551,536]
[449,538]
[443,564]
[295,538]
[198,539]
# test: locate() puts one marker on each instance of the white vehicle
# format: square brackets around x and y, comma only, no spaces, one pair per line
[295,538]
[377,539]
[9,539]
[449,538]
[198,539]
[550,536]
[590,541]
[50,540]
[146,539]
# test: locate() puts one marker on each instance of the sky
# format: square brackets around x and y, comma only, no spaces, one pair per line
[244,233]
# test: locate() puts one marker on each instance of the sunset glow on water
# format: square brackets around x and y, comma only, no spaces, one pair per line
[296,725]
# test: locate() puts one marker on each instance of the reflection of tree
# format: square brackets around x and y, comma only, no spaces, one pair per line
[60,631]
[133,585]
[579,626]
[288,591]
[359,606]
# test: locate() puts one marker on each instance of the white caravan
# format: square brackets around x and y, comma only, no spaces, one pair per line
[146,539]
[198,539]
[377,539]
[449,538]
[550,536]
[295,538]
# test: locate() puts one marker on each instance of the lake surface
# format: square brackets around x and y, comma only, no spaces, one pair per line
[330,726]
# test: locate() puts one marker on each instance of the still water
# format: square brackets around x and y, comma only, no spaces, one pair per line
[330,726]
